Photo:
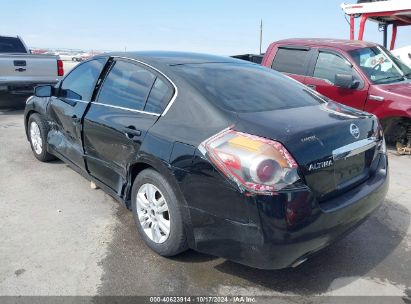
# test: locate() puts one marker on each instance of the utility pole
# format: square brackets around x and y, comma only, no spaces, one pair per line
[261,35]
[384,27]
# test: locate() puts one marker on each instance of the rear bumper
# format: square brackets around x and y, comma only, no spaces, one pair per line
[15,94]
[269,241]
[8,100]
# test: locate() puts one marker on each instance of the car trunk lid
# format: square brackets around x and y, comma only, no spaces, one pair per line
[334,145]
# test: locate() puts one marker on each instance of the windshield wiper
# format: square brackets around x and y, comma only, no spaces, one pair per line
[408,75]
[391,77]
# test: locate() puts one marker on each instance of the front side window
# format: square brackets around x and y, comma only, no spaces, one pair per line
[127,85]
[380,65]
[80,83]
[290,61]
[329,64]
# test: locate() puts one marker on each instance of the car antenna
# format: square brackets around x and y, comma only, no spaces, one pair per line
[261,34]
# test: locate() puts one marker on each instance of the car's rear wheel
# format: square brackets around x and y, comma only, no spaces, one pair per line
[157,214]
[37,131]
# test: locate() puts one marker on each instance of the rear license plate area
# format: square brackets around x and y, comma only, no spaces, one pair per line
[349,169]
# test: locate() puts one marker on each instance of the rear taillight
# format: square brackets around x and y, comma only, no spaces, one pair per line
[382,147]
[60,68]
[255,164]
[379,134]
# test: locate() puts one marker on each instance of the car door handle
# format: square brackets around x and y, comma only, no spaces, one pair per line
[20,70]
[131,132]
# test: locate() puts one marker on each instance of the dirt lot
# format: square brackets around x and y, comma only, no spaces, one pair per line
[59,237]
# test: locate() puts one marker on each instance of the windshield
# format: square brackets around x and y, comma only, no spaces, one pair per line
[246,87]
[380,65]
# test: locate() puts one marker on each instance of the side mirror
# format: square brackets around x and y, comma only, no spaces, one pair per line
[44,91]
[346,81]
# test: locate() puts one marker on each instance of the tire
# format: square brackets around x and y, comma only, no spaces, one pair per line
[37,130]
[155,217]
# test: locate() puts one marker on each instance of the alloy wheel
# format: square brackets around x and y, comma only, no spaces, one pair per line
[153,213]
[35,137]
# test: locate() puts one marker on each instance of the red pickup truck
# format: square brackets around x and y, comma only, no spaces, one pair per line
[359,74]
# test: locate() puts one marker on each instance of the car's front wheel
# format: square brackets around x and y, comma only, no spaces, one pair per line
[37,131]
[157,214]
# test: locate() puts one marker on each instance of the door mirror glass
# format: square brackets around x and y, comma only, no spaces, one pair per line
[43,91]
[345,81]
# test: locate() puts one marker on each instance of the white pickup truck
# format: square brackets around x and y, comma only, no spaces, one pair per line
[21,71]
[404,54]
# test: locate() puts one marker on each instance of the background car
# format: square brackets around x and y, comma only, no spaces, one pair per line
[21,71]
[404,54]
[66,56]
[362,75]
[80,57]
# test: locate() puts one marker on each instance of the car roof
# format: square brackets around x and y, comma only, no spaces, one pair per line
[171,58]
[346,45]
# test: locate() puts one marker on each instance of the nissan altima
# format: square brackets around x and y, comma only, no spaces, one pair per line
[216,154]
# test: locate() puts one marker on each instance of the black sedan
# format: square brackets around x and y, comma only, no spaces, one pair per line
[213,153]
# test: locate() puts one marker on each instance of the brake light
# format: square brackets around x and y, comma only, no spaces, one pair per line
[382,147]
[60,68]
[379,135]
[255,164]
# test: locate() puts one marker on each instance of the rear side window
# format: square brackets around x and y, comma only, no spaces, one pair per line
[127,85]
[328,65]
[11,45]
[80,83]
[290,61]
[160,95]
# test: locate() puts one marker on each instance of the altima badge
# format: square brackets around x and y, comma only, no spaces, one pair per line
[355,131]
[320,165]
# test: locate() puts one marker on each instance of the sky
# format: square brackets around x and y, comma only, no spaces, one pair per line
[224,27]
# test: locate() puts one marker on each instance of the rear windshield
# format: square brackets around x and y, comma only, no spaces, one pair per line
[246,87]
[11,45]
